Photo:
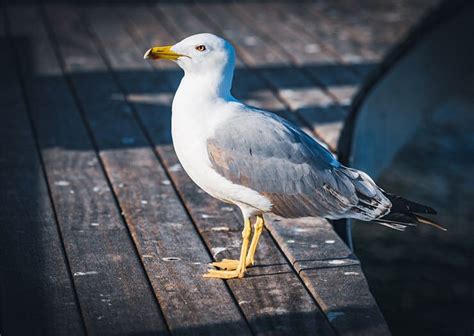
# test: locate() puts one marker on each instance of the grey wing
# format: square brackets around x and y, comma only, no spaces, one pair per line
[298,175]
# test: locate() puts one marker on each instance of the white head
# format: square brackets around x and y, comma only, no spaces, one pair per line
[203,57]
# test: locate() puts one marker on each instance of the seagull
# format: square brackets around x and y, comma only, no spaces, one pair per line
[259,161]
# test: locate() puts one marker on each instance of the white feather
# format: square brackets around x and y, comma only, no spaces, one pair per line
[201,103]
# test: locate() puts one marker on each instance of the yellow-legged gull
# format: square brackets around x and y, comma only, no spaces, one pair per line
[259,161]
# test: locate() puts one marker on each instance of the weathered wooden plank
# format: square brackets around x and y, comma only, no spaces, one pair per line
[340,77]
[171,250]
[332,274]
[271,23]
[351,309]
[372,31]
[311,243]
[308,50]
[344,40]
[317,57]
[266,301]
[36,289]
[108,274]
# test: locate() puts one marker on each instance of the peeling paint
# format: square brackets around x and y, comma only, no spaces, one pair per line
[220,228]
[337,262]
[351,273]
[85,273]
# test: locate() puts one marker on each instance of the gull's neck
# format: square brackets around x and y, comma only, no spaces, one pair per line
[213,85]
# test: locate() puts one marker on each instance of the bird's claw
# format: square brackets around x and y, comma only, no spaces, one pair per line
[219,274]
[226,264]
[231,264]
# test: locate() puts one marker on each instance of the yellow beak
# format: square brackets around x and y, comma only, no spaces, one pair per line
[164,52]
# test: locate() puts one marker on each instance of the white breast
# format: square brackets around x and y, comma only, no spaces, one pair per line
[193,123]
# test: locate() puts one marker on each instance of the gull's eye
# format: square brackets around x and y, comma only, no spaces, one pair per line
[201,47]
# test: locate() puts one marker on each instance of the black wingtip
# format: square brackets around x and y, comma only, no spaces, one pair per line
[402,205]
[406,218]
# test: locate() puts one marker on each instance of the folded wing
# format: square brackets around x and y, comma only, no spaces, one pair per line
[298,175]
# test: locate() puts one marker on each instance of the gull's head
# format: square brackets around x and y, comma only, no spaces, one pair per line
[198,54]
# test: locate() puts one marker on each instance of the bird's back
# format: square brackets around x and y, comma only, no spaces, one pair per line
[298,175]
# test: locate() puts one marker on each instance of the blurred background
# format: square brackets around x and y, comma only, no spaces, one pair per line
[411,127]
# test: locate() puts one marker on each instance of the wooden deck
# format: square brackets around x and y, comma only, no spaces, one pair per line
[102,232]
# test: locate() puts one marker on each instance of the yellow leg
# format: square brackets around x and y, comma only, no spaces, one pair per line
[232,264]
[258,228]
[241,267]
